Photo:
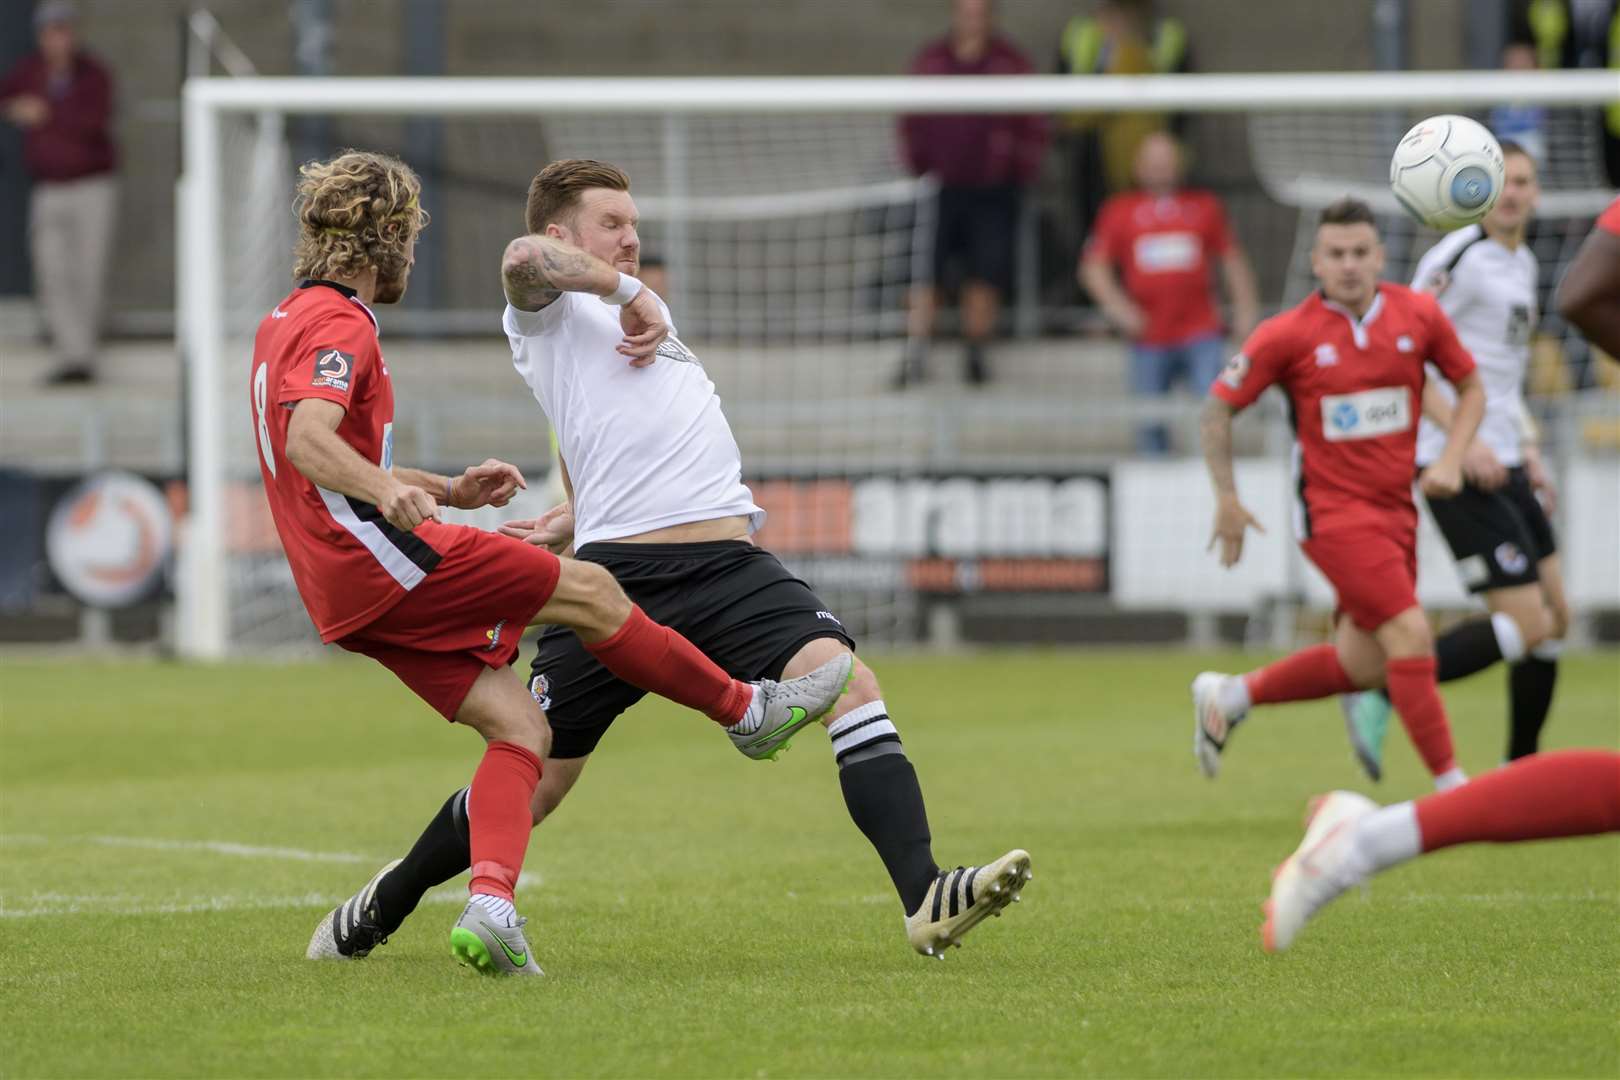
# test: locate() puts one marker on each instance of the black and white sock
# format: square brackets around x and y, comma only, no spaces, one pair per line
[439,854]
[1530,689]
[884,798]
[1476,645]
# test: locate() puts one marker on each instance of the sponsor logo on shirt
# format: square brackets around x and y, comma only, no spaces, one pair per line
[1326,356]
[1366,415]
[1165,252]
[277,313]
[829,616]
[1236,370]
[332,369]
[1510,558]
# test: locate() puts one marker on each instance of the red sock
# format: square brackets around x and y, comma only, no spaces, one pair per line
[1305,676]
[656,658]
[1562,793]
[1416,697]
[498,817]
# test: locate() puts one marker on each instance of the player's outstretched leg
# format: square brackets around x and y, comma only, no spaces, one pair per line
[1349,838]
[653,657]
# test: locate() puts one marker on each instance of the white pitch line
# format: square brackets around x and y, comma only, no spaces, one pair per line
[214,847]
[47,903]
[50,903]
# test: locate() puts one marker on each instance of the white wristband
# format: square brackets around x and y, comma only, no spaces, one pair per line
[627,291]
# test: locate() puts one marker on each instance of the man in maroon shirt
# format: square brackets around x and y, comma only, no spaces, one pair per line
[61,97]
[983,163]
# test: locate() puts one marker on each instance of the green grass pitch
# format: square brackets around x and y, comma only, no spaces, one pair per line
[702,915]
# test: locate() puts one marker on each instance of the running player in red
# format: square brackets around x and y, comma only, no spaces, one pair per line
[1349,838]
[1589,295]
[441,606]
[1350,358]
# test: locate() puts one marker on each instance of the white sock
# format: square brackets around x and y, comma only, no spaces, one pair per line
[1452,777]
[753,716]
[1386,837]
[1233,696]
[1548,650]
[863,727]
[1508,638]
[498,908]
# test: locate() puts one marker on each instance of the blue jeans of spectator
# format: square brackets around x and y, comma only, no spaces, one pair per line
[1155,368]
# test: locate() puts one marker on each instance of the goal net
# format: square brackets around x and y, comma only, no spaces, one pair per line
[791,237]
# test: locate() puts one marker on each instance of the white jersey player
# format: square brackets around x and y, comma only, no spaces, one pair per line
[1486,279]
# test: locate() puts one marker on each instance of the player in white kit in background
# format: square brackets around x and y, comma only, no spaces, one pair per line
[656,496]
[1486,279]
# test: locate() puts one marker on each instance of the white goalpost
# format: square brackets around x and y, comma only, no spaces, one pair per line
[792,235]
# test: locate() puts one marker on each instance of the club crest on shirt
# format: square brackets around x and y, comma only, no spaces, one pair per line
[672,348]
[1236,370]
[1326,355]
[332,368]
[1404,343]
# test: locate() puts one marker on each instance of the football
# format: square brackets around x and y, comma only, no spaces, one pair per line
[1447,172]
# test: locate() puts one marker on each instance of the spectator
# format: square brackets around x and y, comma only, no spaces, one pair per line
[1118,37]
[983,163]
[61,97]
[1576,34]
[654,274]
[1162,238]
[1523,124]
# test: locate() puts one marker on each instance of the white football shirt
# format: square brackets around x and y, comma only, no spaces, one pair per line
[646,448]
[1489,293]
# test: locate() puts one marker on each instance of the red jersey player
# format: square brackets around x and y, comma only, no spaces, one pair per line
[443,606]
[1589,295]
[1351,359]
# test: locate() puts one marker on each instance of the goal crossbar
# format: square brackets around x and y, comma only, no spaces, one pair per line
[912,94]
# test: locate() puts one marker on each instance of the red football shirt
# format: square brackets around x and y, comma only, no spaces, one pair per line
[1163,246]
[349,563]
[1355,393]
[1609,220]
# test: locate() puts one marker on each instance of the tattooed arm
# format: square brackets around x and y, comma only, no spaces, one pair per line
[538,269]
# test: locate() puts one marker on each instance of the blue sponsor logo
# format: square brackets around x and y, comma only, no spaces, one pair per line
[1345,416]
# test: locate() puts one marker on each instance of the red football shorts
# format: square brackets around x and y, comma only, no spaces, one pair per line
[465,616]
[1374,572]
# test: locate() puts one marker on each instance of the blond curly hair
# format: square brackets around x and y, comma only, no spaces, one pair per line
[358,210]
